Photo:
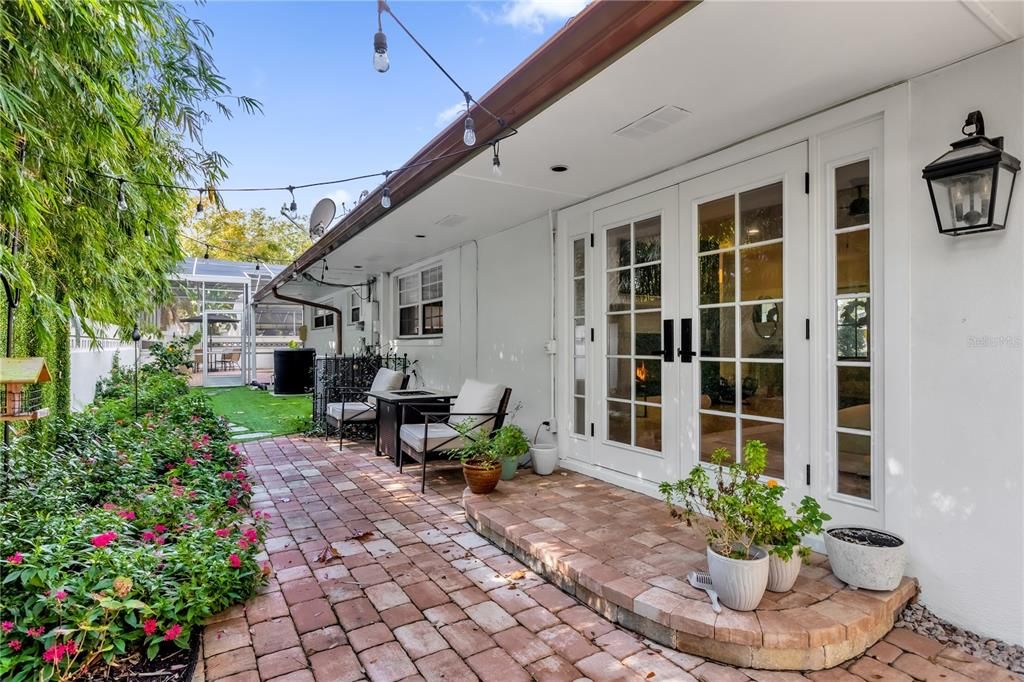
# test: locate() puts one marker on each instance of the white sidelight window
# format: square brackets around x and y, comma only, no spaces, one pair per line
[420,304]
[851,330]
[579,336]
[322,319]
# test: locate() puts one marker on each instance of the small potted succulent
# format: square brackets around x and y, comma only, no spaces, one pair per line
[509,443]
[481,465]
[729,504]
[783,534]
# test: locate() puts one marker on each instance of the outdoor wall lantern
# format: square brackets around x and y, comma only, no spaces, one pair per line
[971,184]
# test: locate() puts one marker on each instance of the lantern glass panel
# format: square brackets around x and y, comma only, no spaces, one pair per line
[963,200]
[1004,190]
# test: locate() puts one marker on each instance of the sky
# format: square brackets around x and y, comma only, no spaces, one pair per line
[326,112]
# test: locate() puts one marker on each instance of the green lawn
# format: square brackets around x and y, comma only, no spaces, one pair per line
[260,411]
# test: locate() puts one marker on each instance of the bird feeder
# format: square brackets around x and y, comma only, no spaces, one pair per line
[22,394]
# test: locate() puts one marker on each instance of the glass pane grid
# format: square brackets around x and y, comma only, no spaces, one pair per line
[736,393]
[852,443]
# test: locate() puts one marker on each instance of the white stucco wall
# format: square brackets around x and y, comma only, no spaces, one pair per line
[966,525]
[497,317]
[352,337]
[89,366]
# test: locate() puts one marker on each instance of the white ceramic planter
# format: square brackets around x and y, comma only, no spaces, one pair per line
[545,458]
[782,573]
[740,583]
[860,565]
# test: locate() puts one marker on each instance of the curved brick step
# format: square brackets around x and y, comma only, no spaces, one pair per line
[619,552]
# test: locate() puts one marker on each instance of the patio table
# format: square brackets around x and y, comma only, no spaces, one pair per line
[391,414]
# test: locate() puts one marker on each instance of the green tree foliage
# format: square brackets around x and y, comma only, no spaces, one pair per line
[244,235]
[93,91]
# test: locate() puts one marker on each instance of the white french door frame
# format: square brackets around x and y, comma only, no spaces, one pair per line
[643,467]
[788,165]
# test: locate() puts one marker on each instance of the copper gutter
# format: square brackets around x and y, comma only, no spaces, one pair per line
[337,313]
[598,35]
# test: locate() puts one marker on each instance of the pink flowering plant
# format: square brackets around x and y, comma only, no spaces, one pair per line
[109,541]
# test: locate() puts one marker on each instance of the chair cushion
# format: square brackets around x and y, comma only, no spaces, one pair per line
[476,397]
[385,380]
[352,411]
[437,434]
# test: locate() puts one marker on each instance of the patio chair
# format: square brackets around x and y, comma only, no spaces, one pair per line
[356,407]
[484,404]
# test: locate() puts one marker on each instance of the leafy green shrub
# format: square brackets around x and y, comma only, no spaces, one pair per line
[175,354]
[738,509]
[121,534]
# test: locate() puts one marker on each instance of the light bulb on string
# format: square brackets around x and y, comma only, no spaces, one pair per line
[469,132]
[293,207]
[496,162]
[122,201]
[380,42]
[385,198]
[206,256]
[199,206]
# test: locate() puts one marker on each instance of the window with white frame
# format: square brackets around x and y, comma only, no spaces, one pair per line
[579,347]
[851,248]
[322,319]
[420,305]
[355,310]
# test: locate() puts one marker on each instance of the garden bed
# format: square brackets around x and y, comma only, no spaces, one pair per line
[120,535]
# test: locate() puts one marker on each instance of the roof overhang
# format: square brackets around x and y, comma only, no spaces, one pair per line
[595,37]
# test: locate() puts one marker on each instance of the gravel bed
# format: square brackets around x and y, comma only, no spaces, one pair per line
[917,618]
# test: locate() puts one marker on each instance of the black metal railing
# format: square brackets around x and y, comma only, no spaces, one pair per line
[337,373]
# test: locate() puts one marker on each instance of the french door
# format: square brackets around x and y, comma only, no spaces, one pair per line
[636,268]
[744,253]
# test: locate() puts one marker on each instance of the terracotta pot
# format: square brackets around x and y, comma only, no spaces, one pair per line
[481,479]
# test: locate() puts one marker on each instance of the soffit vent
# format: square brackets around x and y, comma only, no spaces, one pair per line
[652,123]
[451,220]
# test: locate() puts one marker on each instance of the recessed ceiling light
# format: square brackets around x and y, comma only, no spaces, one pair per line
[559,168]
[421,236]
[358,267]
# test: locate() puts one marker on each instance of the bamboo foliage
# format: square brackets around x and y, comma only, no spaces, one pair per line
[87,89]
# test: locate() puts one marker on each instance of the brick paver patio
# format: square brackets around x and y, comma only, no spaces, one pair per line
[374,581]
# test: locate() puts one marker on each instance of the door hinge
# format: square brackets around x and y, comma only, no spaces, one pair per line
[591,429]
[807,328]
[591,334]
[591,238]
[808,474]
[807,185]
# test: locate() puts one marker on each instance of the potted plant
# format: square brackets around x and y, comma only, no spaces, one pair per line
[509,443]
[729,504]
[544,457]
[783,534]
[481,465]
[866,557]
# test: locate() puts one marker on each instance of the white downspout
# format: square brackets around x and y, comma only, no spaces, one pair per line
[553,357]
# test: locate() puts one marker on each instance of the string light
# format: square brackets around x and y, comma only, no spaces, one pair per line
[199,206]
[293,207]
[380,41]
[122,202]
[469,132]
[496,162]
[385,196]
[206,256]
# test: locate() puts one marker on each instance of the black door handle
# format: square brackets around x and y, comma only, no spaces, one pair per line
[686,340]
[668,345]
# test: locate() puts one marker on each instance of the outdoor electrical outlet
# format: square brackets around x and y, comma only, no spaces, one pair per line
[551,425]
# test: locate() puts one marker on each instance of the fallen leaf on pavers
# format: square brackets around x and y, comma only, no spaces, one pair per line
[649,675]
[516,575]
[327,554]
[362,537]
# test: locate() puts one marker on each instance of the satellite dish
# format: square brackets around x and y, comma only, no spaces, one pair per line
[320,219]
